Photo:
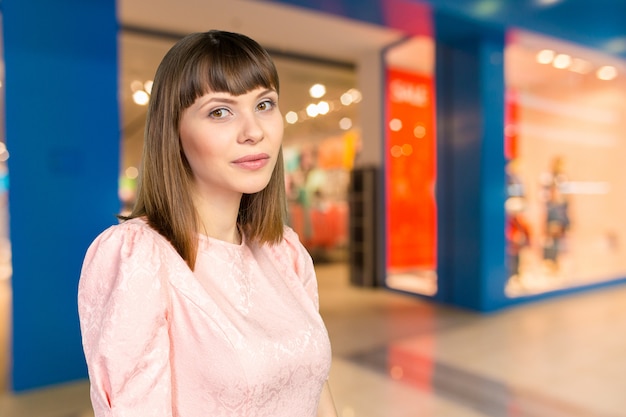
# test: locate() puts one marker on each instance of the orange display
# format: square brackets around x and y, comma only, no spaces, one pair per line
[410,155]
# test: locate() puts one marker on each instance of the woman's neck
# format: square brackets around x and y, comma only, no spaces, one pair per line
[217,217]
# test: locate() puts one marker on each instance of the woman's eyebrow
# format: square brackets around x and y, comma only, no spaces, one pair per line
[218,99]
[265,92]
[228,99]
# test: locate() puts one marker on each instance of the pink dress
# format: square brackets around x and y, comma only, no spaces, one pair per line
[239,336]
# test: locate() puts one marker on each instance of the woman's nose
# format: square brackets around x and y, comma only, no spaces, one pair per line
[251,130]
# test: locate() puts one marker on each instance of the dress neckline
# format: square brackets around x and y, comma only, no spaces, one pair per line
[228,245]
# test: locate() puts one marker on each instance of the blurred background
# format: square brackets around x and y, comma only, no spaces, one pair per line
[450,165]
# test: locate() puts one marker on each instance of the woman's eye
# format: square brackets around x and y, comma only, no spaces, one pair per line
[219,113]
[266,105]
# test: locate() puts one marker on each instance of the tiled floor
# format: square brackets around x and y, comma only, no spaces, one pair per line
[399,356]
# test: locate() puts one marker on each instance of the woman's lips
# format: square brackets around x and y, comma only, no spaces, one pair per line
[252,162]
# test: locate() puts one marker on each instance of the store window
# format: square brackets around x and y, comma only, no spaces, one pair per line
[565,150]
[319,101]
[322,137]
[410,169]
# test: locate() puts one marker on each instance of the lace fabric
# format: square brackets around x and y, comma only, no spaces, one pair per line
[239,336]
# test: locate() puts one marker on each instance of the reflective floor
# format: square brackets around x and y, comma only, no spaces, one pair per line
[399,356]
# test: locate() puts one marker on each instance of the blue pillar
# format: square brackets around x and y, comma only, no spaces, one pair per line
[62,134]
[471,177]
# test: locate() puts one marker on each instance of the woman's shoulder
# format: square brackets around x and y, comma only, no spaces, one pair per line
[296,258]
[124,230]
[129,236]
[126,261]
[291,240]
[289,234]
[290,250]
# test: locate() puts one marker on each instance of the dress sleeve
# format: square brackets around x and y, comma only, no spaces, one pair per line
[303,264]
[123,310]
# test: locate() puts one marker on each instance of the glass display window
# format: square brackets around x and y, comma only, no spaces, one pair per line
[565,147]
[410,167]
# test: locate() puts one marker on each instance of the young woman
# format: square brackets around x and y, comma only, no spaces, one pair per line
[201,302]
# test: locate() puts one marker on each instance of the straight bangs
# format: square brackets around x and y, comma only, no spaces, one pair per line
[233,65]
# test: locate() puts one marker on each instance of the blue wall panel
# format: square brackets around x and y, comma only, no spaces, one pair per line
[458,147]
[494,273]
[63,137]
[470,125]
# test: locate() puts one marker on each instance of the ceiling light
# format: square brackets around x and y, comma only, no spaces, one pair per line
[346,99]
[291,117]
[355,94]
[323,107]
[606,73]
[562,61]
[312,110]
[345,123]
[317,90]
[141,97]
[545,56]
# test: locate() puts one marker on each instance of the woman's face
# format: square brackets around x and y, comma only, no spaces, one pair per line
[232,142]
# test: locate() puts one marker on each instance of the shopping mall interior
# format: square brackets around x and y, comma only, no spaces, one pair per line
[398,356]
[550,349]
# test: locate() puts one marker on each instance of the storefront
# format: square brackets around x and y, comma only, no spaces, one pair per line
[564,145]
[517,194]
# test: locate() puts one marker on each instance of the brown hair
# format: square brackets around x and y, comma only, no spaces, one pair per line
[215,61]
